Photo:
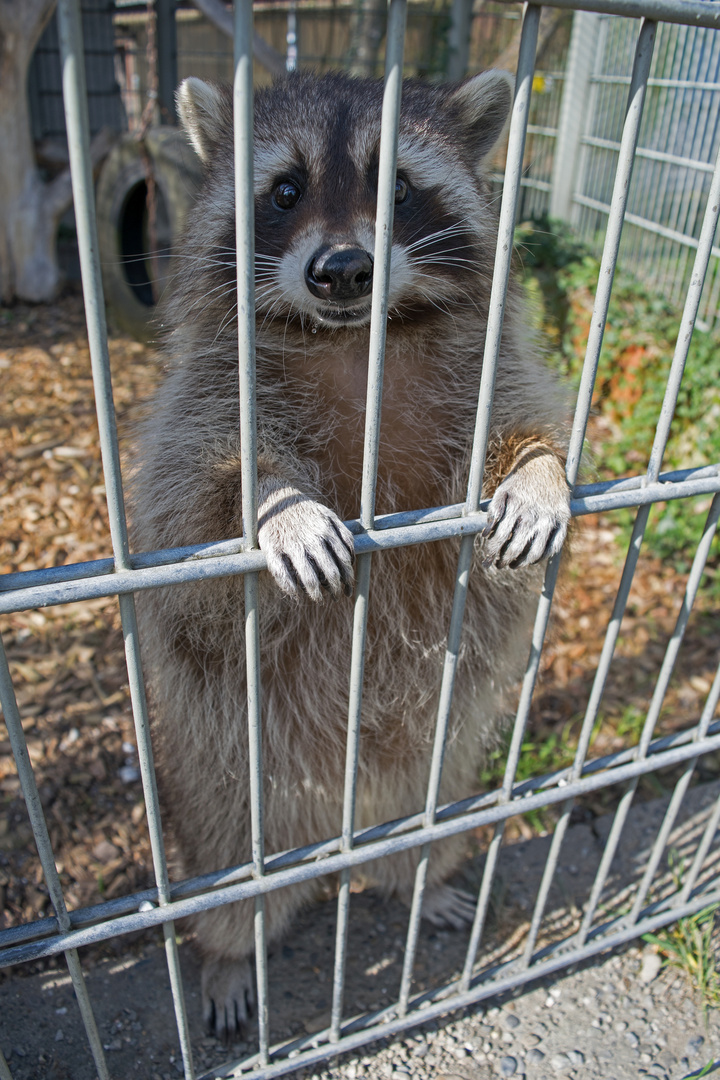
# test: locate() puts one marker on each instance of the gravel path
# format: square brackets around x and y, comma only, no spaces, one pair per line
[610,1020]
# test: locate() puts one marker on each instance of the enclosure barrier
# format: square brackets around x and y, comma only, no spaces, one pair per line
[126,573]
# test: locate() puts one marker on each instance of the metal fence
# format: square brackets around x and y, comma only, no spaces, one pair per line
[125,573]
[572,159]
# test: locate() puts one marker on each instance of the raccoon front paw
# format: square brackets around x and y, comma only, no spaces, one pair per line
[307,547]
[228,998]
[528,517]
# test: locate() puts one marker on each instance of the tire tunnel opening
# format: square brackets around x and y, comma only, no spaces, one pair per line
[136,250]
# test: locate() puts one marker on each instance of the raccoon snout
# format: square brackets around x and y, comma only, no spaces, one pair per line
[339,272]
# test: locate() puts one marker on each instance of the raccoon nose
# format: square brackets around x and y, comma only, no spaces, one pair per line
[340,273]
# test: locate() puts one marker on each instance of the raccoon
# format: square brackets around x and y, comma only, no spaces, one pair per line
[315,170]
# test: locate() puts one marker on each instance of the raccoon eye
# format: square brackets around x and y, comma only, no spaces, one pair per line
[402,189]
[286,194]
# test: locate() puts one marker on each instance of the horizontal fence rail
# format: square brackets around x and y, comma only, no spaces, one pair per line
[125,573]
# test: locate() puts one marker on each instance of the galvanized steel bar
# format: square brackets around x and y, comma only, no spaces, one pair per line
[643,223]
[641,69]
[631,127]
[674,806]
[385,212]
[245,263]
[357,669]
[521,718]
[75,100]
[636,99]
[78,132]
[503,251]
[26,776]
[696,572]
[131,641]
[387,168]
[491,355]
[657,452]
[41,928]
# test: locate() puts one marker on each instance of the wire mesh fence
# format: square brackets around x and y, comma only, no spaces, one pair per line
[127,573]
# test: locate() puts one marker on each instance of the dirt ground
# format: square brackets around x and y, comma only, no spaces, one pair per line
[68,663]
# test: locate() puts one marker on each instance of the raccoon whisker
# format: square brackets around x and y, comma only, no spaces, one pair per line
[447,260]
[449,230]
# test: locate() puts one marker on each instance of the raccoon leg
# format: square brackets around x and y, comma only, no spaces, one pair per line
[530,511]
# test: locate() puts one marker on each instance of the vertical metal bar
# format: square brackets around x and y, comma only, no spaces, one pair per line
[394,50]
[661,686]
[245,262]
[498,294]
[638,85]
[676,801]
[528,686]
[459,38]
[76,116]
[16,735]
[578,71]
[167,59]
[128,617]
[392,94]
[636,98]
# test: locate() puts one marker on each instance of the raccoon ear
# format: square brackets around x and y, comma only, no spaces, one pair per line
[484,104]
[206,114]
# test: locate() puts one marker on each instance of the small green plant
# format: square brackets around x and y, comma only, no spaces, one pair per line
[688,945]
[704,1071]
[561,275]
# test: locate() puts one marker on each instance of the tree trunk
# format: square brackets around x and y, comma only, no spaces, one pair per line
[28,265]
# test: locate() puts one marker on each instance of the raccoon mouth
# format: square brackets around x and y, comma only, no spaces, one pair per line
[340,316]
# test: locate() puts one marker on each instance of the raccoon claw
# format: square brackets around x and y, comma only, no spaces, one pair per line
[524,527]
[308,549]
[445,906]
[228,998]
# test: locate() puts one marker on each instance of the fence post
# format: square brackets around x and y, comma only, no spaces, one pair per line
[573,111]
[459,39]
[167,59]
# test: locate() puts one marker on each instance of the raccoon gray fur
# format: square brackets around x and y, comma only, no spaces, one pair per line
[316,164]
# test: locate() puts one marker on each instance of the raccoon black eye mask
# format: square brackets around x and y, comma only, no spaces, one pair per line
[316,152]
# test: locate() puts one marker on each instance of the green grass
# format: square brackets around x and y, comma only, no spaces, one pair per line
[688,946]
[560,276]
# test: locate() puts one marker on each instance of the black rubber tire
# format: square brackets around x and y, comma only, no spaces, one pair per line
[122,224]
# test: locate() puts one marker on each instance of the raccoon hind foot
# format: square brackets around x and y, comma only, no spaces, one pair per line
[445,906]
[228,997]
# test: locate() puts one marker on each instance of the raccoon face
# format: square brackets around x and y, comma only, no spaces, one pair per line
[316,166]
